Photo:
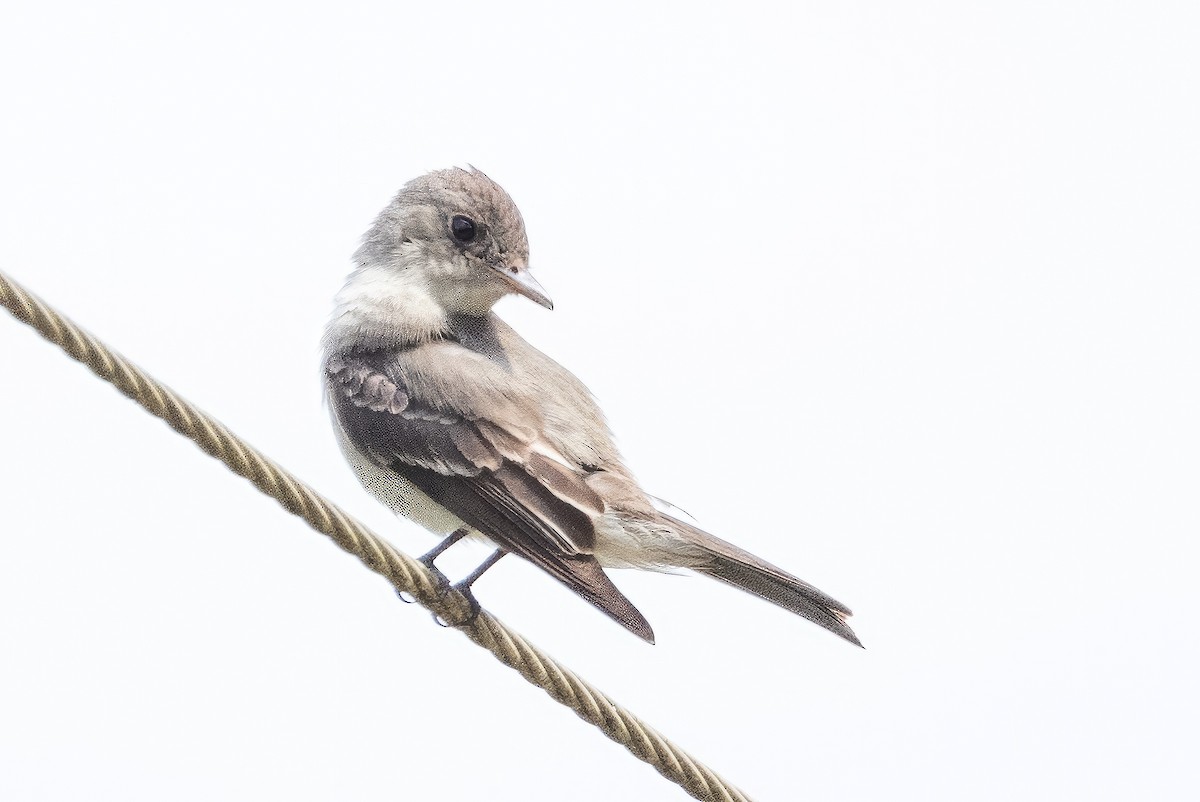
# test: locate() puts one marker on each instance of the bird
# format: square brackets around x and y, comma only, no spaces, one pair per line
[454,421]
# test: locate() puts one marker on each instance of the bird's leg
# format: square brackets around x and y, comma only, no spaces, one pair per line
[463,586]
[428,557]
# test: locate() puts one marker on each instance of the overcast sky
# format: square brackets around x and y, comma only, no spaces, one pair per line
[903,298]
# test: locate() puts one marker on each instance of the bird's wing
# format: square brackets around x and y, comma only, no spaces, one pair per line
[493,471]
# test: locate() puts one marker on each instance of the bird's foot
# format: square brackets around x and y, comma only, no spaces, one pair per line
[427,559]
[441,587]
[473,610]
[463,586]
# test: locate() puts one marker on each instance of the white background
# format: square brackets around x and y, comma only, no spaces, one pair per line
[902,298]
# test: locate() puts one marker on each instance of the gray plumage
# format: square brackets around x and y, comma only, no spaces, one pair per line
[453,420]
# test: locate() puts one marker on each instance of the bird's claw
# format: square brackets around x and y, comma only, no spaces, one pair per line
[441,588]
[473,611]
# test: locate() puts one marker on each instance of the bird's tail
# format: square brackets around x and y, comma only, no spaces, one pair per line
[743,570]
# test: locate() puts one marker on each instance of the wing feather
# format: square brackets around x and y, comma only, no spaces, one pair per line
[487,466]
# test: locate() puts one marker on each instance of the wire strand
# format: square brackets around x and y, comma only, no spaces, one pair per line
[406,574]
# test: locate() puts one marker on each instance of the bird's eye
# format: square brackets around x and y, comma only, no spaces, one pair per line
[463,228]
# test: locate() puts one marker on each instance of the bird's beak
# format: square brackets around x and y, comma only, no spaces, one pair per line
[523,283]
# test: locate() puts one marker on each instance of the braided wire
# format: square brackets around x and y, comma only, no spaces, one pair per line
[406,574]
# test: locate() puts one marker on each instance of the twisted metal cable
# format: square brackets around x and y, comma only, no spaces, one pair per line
[406,574]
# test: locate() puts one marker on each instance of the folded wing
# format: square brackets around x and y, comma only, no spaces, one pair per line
[482,466]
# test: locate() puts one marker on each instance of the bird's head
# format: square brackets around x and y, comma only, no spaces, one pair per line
[461,234]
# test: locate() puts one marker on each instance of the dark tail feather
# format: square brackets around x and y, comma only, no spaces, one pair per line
[743,570]
[584,575]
